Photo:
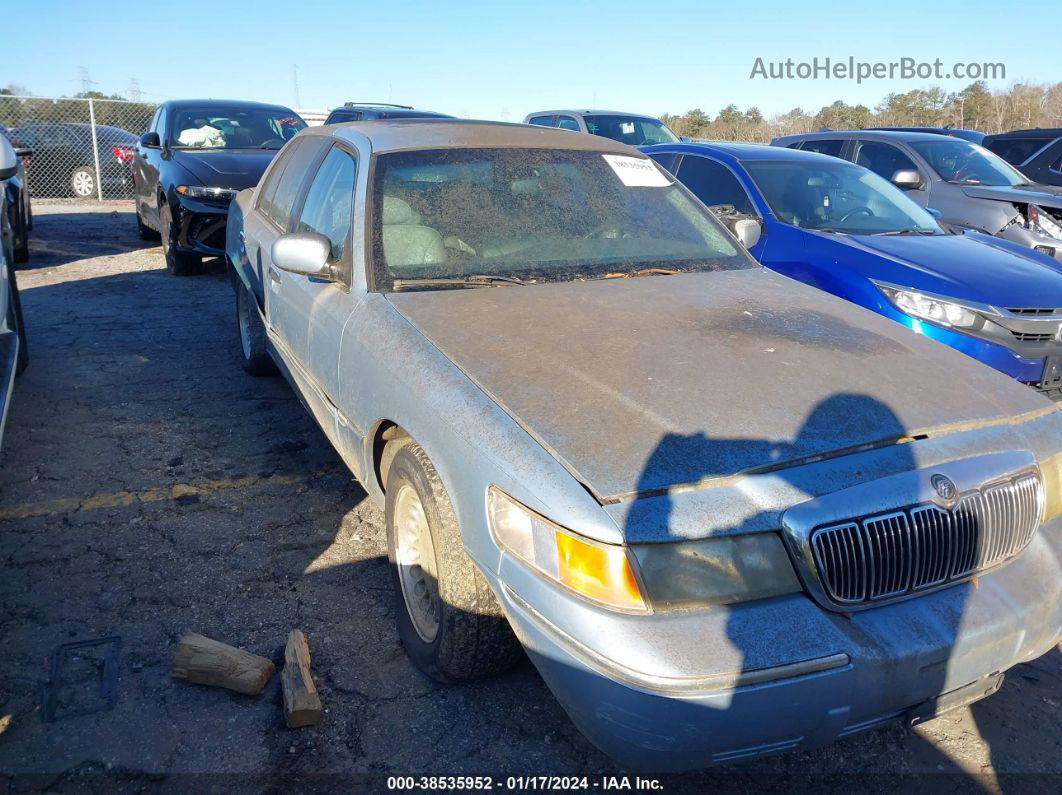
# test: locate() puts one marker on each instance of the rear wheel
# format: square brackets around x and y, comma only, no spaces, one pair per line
[83,182]
[14,321]
[21,230]
[252,334]
[180,263]
[449,619]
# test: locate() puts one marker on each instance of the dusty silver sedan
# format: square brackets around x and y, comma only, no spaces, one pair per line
[724,513]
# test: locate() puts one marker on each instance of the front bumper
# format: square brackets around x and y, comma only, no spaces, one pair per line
[200,226]
[675,691]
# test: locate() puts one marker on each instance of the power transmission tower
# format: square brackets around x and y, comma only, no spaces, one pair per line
[295,84]
[86,82]
[134,89]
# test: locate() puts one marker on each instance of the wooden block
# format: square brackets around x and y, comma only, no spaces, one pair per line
[204,661]
[302,705]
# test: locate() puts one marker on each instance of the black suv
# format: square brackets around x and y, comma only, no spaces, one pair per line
[1035,153]
[194,157]
[365,111]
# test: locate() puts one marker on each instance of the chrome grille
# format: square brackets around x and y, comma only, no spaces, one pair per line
[891,555]
[1022,336]
[1033,311]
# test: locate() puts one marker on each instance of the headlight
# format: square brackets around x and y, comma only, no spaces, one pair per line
[673,575]
[600,572]
[201,192]
[935,310]
[1044,222]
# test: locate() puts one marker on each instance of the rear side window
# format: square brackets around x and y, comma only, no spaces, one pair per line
[330,200]
[713,183]
[567,123]
[1017,150]
[282,189]
[824,146]
[337,116]
[667,160]
[883,159]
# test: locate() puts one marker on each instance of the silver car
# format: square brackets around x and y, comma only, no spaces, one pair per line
[724,513]
[968,186]
[633,129]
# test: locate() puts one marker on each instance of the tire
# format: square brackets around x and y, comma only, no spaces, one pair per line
[145,231]
[21,252]
[449,619]
[179,263]
[251,335]
[14,321]
[83,182]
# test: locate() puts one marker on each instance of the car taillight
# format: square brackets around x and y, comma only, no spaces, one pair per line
[123,153]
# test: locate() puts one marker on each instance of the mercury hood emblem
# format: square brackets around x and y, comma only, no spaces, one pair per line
[945,488]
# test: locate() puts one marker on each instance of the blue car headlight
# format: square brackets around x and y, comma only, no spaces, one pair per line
[929,307]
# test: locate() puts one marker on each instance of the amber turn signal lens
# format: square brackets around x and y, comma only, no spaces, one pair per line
[600,573]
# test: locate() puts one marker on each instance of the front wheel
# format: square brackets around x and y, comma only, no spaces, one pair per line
[180,263]
[83,182]
[145,231]
[253,351]
[449,619]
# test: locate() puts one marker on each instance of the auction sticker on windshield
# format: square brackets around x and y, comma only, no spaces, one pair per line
[636,172]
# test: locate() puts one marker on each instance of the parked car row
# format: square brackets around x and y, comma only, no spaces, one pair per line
[725,513]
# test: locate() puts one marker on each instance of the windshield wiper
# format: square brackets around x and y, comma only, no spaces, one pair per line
[474,280]
[633,274]
[905,232]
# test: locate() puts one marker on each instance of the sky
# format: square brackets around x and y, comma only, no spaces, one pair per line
[498,60]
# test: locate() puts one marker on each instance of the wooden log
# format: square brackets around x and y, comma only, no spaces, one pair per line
[204,661]
[302,705]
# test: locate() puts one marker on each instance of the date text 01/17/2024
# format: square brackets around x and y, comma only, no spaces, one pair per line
[524,783]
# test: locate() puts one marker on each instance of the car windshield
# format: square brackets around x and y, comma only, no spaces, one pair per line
[963,163]
[630,130]
[232,128]
[533,215]
[837,197]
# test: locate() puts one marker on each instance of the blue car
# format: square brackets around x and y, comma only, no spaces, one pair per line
[841,228]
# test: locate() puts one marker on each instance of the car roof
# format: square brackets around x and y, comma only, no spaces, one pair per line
[903,136]
[738,151]
[1036,132]
[592,113]
[392,111]
[225,103]
[394,134]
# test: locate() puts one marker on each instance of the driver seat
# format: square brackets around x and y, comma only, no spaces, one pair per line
[406,242]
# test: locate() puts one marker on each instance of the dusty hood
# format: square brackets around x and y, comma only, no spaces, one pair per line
[1046,195]
[735,371]
[226,168]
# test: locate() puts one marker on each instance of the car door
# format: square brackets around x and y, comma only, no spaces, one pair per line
[272,217]
[315,310]
[885,160]
[146,160]
[716,185]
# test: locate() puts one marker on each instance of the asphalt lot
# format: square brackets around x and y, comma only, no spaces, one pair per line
[148,485]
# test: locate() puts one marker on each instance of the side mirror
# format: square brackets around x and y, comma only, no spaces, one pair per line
[8,159]
[305,253]
[907,179]
[934,212]
[150,140]
[748,232]
[685,139]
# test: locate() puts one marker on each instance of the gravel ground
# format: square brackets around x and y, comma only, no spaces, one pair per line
[148,486]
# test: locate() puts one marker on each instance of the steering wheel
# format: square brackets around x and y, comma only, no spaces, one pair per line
[857,211]
[271,143]
[606,233]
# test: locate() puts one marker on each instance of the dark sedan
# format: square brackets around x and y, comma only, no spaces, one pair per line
[64,159]
[194,157]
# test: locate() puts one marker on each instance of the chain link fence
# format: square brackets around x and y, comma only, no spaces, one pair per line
[80,148]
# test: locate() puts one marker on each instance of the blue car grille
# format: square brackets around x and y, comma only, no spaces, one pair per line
[918,548]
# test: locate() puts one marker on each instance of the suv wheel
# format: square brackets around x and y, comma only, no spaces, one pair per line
[180,263]
[449,619]
[83,182]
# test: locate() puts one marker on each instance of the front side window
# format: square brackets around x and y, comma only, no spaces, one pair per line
[963,163]
[630,130]
[282,188]
[1017,150]
[567,123]
[330,200]
[541,121]
[831,146]
[883,159]
[232,128]
[837,197]
[714,184]
[536,215]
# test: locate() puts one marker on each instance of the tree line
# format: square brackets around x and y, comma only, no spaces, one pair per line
[975,108]
[18,108]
